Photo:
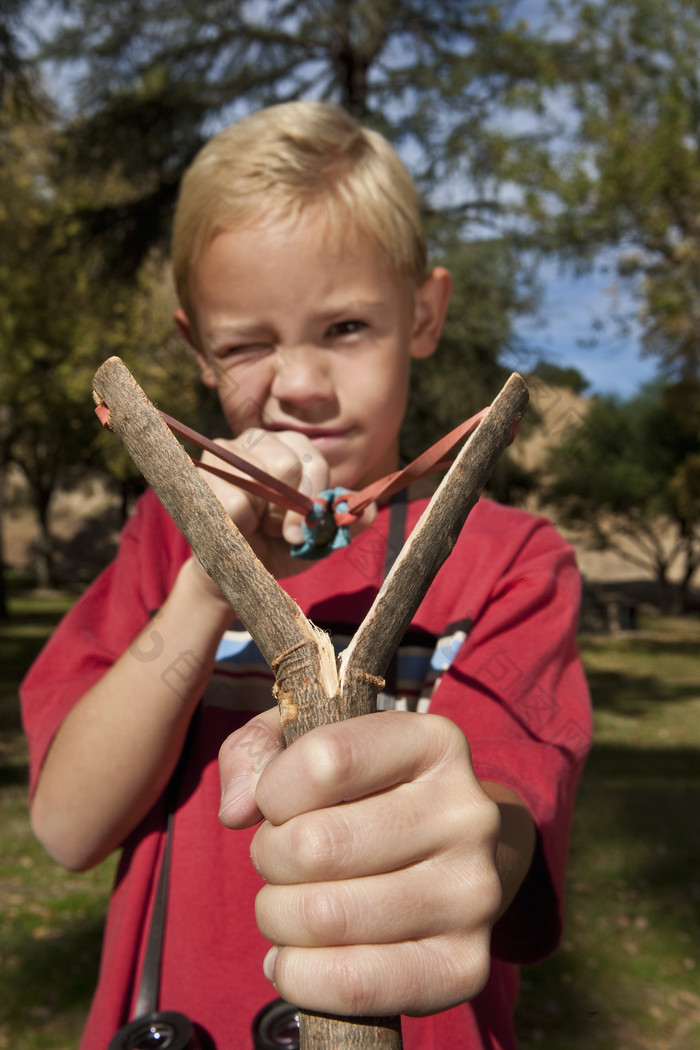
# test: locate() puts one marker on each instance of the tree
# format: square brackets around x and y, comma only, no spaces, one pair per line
[467,371]
[158,78]
[627,477]
[58,322]
[21,101]
[555,375]
[142,333]
[46,344]
[630,178]
[19,88]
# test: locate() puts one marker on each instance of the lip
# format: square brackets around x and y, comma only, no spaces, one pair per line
[314,434]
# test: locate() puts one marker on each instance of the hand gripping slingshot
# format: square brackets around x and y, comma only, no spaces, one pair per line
[310,687]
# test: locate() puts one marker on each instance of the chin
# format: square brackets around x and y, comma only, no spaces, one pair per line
[355,476]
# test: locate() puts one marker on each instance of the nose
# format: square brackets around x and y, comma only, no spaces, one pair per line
[302,378]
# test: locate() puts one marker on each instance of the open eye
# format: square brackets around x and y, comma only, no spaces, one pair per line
[350,327]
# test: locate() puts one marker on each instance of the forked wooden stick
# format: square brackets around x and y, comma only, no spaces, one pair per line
[310,690]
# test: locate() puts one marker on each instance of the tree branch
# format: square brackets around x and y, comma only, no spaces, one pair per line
[306,680]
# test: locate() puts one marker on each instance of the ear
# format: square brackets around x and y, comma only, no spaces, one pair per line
[430,307]
[186,330]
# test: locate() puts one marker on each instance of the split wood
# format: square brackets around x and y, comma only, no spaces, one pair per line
[311,688]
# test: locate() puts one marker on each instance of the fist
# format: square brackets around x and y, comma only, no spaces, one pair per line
[378,849]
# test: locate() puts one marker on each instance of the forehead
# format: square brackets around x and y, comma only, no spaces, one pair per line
[310,242]
[336,229]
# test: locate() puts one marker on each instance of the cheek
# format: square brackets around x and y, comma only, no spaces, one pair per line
[379,378]
[384,396]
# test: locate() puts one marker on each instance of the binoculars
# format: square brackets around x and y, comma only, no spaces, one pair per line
[275,1026]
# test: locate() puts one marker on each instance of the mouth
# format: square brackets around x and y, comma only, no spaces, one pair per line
[314,434]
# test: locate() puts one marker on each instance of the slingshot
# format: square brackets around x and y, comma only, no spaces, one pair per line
[310,688]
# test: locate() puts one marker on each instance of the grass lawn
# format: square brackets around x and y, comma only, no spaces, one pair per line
[50,921]
[627,975]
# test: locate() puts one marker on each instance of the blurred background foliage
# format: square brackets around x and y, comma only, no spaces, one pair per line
[536,130]
[559,135]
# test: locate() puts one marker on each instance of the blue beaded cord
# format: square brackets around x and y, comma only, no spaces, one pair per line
[309,547]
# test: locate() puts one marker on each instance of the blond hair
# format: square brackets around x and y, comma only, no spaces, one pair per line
[284,158]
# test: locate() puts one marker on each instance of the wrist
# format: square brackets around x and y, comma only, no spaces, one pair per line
[197,588]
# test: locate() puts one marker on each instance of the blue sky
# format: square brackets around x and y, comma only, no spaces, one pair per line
[577,327]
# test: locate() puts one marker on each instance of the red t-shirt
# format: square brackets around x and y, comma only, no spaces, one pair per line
[492,647]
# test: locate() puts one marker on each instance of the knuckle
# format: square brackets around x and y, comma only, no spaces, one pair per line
[287,463]
[312,844]
[472,825]
[470,972]
[490,894]
[325,915]
[459,973]
[477,964]
[248,439]
[331,759]
[472,888]
[449,740]
[474,893]
[487,820]
[355,979]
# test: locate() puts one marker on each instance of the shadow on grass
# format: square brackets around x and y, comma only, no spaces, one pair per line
[14,774]
[645,803]
[22,637]
[556,1009]
[51,973]
[633,903]
[635,696]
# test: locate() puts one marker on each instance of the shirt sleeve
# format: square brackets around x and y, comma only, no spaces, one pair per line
[102,624]
[518,691]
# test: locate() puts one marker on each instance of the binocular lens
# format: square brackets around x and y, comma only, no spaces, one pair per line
[277,1025]
[156,1037]
[159,1030]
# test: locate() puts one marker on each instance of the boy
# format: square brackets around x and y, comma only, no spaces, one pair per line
[399,871]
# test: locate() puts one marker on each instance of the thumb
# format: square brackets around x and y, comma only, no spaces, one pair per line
[242,758]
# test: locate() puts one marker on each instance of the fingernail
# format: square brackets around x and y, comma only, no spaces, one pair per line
[293,534]
[234,791]
[269,963]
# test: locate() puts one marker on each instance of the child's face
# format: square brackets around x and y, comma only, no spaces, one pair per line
[300,331]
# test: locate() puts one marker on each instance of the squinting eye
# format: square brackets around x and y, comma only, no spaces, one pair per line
[242,351]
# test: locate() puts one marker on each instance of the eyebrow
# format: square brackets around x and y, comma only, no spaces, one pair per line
[356,306]
[253,330]
[236,331]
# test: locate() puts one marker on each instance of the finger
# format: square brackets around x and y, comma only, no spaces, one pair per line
[278,457]
[414,977]
[384,832]
[314,475]
[242,507]
[358,757]
[242,758]
[281,460]
[425,900]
